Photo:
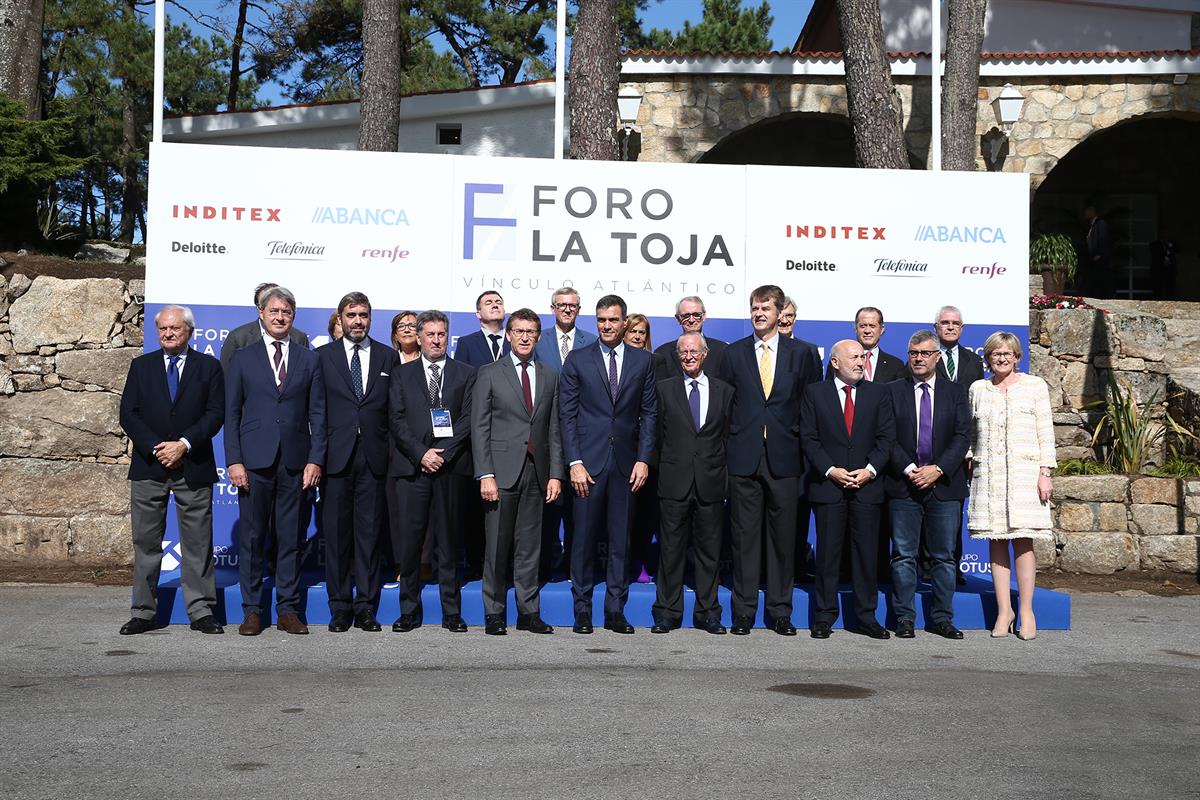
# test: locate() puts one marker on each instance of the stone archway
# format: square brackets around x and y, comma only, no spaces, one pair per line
[1140,174]
[797,140]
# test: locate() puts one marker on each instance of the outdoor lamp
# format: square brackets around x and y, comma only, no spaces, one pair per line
[1007,108]
[628,103]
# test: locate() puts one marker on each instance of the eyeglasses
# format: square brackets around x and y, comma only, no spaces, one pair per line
[282,313]
[690,353]
[690,315]
[567,306]
[1003,354]
[406,326]
[923,353]
[524,333]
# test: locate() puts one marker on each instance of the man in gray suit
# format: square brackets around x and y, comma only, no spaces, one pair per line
[252,332]
[518,459]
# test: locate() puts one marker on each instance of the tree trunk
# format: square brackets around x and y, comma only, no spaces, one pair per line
[131,189]
[379,114]
[876,113]
[235,57]
[595,74]
[21,52]
[960,87]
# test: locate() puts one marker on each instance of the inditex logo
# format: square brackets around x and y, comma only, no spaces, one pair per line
[860,232]
[226,213]
[966,234]
[988,272]
[811,266]
[337,215]
[900,268]
[279,250]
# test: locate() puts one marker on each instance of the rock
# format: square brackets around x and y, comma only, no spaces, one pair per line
[47,350]
[61,424]
[1098,553]
[1076,332]
[30,365]
[1174,553]
[106,539]
[107,368]
[33,538]
[1045,552]
[29,383]
[131,312]
[1076,517]
[18,285]
[1155,520]
[38,487]
[1114,517]
[132,335]
[1094,488]
[1141,335]
[96,251]
[1071,436]
[7,386]
[1155,490]
[140,261]
[137,288]
[1050,370]
[1081,384]
[55,310]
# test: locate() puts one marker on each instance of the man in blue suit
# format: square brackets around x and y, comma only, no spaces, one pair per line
[274,449]
[768,373]
[356,371]
[488,344]
[608,409]
[926,484]
[172,406]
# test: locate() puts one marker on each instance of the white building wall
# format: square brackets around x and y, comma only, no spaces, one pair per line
[526,132]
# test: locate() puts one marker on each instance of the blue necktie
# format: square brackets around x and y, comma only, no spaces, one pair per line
[694,402]
[925,429]
[356,374]
[612,374]
[173,376]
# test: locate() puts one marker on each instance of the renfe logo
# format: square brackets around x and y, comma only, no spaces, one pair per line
[836,232]
[987,272]
[960,233]
[235,213]
[388,253]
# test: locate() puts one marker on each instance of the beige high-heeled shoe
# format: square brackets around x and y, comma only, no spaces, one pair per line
[1012,622]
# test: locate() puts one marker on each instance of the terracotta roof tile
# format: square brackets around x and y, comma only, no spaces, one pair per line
[831,54]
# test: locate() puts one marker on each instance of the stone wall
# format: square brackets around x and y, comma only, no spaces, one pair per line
[65,348]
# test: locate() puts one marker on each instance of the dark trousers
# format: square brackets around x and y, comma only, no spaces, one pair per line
[272,489]
[420,500]
[754,499]
[847,518]
[936,523]
[193,508]
[606,511]
[556,552]
[352,515]
[513,529]
[679,521]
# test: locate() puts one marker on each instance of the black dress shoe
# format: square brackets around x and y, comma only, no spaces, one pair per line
[742,626]
[709,625]
[340,622]
[137,625]
[784,627]
[904,629]
[821,630]
[455,624]
[365,621]
[945,629]
[495,625]
[583,624]
[207,624]
[406,623]
[662,626]
[533,623]
[874,630]
[617,623]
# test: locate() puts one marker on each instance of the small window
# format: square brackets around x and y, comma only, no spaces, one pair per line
[449,133]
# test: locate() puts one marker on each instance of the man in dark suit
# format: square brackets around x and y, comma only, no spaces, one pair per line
[487,344]
[768,373]
[847,432]
[517,451]
[693,426]
[172,406]
[926,484]
[356,371]
[274,448]
[959,364]
[252,332]
[430,422]
[607,409]
[690,314]
[879,366]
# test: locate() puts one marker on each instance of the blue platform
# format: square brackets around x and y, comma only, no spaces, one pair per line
[974,604]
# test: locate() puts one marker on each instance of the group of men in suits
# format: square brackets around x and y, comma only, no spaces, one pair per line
[749,426]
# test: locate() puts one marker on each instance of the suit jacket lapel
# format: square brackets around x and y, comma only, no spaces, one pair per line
[511,381]
[602,362]
[342,365]
[185,376]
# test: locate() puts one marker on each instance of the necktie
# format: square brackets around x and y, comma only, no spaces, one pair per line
[925,428]
[356,379]
[765,373]
[564,348]
[495,337]
[527,396]
[280,367]
[173,377]
[612,374]
[950,363]
[868,370]
[848,409]
[435,386]
[694,402]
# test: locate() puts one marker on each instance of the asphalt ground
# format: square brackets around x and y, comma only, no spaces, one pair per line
[1109,709]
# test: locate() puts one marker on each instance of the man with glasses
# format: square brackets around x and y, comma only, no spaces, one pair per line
[252,332]
[926,484]
[554,344]
[787,317]
[690,314]
[959,364]
[518,459]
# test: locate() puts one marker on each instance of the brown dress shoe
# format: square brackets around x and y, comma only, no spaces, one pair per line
[251,625]
[290,623]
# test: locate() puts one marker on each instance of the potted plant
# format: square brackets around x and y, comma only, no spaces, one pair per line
[1053,256]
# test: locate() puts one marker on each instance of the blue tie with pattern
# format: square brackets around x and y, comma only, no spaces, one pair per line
[694,402]
[356,373]
[173,377]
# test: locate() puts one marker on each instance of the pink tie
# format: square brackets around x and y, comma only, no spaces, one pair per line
[867,370]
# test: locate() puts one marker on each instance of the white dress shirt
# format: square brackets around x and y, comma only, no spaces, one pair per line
[702,386]
[364,358]
[771,344]
[839,383]
[532,372]
[917,409]
[559,333]
[270,340]
[620,351]
[874,351]
[426,364]
[487,339]
[179,374]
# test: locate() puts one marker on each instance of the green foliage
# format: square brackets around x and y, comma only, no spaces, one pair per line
[1082,466]
[1054,250]
[1176,467]
[33,153]
[1132,431]
[724,27]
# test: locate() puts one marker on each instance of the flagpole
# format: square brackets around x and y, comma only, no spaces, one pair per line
[560,82]
[160,51]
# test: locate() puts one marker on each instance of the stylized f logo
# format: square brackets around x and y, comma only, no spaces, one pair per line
[471,222]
